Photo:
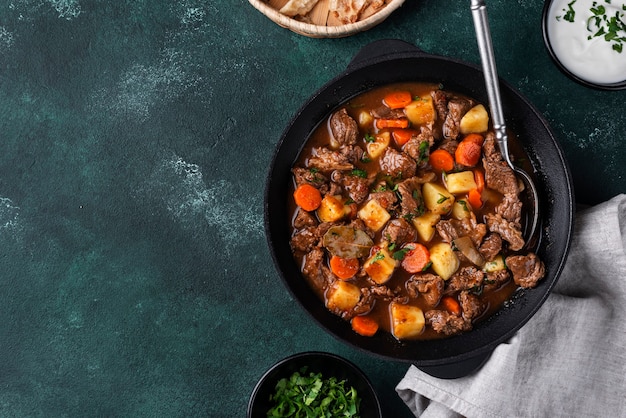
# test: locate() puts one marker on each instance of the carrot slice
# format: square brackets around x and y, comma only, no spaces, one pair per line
[307,197]
[451,305]
[397,99]
[469,150]
[392,123]
[441,160]
[475,199]
[416,259]
[402,136]
[364,325]
[344,268]
[479,178]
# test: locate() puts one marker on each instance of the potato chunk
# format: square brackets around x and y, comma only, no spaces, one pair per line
[365,119]
[380,143]
[444,261]
[407,321]
[425,225]
[461,182]
[461,209]
[475,120]
[331,209]
[374,215]
[496,264]
[342,296]
[437,199]
[380,266]
[420,111]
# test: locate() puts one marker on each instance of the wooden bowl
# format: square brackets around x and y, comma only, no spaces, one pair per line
[320,22]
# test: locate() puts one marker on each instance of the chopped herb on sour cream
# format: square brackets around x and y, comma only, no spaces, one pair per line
[602,23]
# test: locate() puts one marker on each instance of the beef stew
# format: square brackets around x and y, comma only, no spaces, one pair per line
[404,216]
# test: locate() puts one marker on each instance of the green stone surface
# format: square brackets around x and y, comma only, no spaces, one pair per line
[135,137]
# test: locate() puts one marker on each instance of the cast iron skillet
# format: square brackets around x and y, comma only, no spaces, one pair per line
[400,61]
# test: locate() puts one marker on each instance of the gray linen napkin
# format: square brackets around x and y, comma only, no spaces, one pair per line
[569,360]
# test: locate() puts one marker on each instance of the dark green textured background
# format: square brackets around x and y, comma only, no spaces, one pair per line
[134,141]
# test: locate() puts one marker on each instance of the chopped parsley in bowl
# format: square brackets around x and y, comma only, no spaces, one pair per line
[314,384]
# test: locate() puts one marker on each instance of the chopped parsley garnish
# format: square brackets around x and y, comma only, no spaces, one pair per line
[311,395]
[379,256]
[442,198]
[570,13]
[400,254]
[463,203]
[409,217]
[611,28]
[369,138]
[423,148]
[357,172]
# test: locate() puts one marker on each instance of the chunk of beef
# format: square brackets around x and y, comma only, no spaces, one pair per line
[383,112]
[353,153]
[440,102]
[471,305]
[310,176]
[334,189]
[491,246]
[449,145]
[411,199]
[509,231]
[308,237]
[398,231]
[356,187]
[498,175]
[424,177]
[304,219]
[527,269]
[495,279]
[397,164]
[510,208]
[305,239]
[386,198]
[343,128]
[326,160]
[466,278]
[457,108]
[446,323]
[315,271]
[383,292]
[447,230]
[369,296]
[419,145]
[430,286]
[451,229]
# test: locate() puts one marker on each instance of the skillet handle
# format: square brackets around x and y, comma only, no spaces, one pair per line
[383,49]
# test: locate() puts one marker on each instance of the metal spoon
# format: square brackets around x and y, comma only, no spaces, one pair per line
[483,35]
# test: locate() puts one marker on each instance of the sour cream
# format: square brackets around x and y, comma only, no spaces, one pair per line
[590,58]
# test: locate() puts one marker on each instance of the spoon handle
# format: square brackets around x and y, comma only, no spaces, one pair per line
[485,47]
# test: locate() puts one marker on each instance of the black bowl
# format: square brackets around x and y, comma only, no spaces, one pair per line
[458,355]
[545,20]
[328,365]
